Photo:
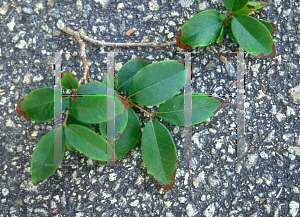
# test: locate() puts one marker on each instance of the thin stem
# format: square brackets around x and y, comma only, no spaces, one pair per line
[128,100]
[114,44]
[82,55]
[227,20]
[65,121]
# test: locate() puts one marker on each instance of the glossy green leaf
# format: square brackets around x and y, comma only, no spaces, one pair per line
[203,107]
[159,153]
[157,82]
[131,134]
[120,124]
[253,36]
[269,25]
[68,80]
[201,30]
[221,36]
[104,80]
[250,7]
[87,142]
[91,106]
[234,5]
[38,105]
[44,154]
[229,32]
[128,70]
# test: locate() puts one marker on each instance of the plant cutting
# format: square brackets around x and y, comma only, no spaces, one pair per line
[138,84]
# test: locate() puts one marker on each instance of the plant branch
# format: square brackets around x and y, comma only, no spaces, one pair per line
[82,55]
[114,44]
[227,20]
[128,100]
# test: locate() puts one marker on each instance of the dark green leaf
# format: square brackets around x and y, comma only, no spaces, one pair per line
[104,80]
[131,134]
[159,153]
[44,154]
[229,31]
[91,107]
[120,124]
[253,36]
[72,120]
[87,142]
[157,82]
[201,30]
[38,105]
[270,25]
[203,107]
[68,80]
[127,72]
[221,36]
[250,7]
[234,5]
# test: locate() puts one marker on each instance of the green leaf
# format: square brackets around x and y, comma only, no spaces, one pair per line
[157,82]
[159,153]
[91,107]
[229,31]
[44,154]
[221,36]
[203,107]
[127,72]
[87,142]
[270,25]
[120,124]
[250,7]
[222,17]
[253,36]
[201,30]
[38,105]
[68,80]
[131,134]
[234,5]
[104,80]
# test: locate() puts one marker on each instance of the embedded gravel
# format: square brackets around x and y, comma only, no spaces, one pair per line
[268,185]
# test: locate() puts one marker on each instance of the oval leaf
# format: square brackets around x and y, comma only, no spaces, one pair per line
[270,25]
[68,80]
[156,83]
[120,124]
[201,30]
[91,104]
[234,5]
[127,72]
[131,134]
[87,142]
[203,107]
[159,153]
[253,36]
[250,7]
[38,105]
[44,154]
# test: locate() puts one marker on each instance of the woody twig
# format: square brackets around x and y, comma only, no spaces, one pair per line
[115,44]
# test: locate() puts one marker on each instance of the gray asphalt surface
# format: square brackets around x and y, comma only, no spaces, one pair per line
[267,186]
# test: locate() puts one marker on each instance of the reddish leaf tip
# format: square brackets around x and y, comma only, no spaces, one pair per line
[36,183]
[169,186]
[271,55]
[223,104]
[186,46]
[18,109]
[62,74]
[274,26]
